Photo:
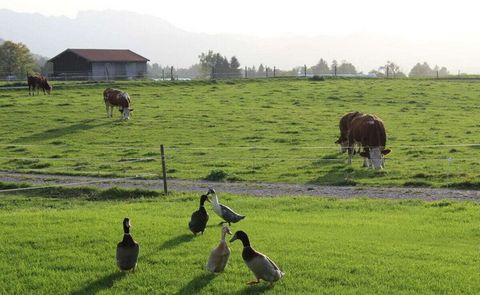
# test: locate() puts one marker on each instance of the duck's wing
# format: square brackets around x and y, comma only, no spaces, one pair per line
[229,215]
[127,256]
[264,268]
[199,219]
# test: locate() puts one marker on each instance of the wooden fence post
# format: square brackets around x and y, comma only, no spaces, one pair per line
[246,72]
[274,71]
[171,74]
[305,70]
[164,169]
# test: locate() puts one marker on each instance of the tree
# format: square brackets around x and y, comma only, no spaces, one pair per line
[261,71]
[321,67]
[219,65]
[16,59]
[422,70]
[346,68]
[235,67]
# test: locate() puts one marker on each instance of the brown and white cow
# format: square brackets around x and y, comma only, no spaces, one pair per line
[117,98]
[38,82]
[368,131]
[344,126]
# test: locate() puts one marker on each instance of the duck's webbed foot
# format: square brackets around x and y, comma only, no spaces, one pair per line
[253,282]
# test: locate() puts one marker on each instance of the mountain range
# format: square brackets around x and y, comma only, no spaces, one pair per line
[163,43]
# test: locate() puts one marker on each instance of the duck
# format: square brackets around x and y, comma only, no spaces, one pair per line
[223,211]
[262,267]
[199,218]
[219,256]
[127,249]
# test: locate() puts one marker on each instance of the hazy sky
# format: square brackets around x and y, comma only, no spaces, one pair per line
[414,19]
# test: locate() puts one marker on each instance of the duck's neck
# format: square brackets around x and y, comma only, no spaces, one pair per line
[245,242]
[126,229]
[223,236]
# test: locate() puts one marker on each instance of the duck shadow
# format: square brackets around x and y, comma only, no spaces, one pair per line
[255,289]
[176,241]
[197,283]
[101,284]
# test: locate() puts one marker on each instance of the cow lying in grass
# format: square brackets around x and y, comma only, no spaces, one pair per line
[368,132]
[38,82]
[117,98]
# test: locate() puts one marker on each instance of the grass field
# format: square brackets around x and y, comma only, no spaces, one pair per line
[267,130]
[62,241]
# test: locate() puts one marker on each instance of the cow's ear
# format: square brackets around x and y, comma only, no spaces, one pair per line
[364,154]
[385,152]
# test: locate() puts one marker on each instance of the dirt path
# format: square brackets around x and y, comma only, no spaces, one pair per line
[243,188]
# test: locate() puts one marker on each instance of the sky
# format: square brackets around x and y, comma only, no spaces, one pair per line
[413,19]
[439,32]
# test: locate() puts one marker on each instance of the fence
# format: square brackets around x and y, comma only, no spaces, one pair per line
[257,163]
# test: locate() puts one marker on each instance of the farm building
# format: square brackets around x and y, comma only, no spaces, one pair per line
[99,64]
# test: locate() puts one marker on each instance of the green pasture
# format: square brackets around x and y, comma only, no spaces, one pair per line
[62,241]
[278,130]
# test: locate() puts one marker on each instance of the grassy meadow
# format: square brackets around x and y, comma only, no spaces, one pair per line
[62,241]
[278,130]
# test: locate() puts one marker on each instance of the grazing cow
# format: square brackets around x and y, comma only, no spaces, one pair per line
[117,98]
[344,126]
[368,131]
[38,82]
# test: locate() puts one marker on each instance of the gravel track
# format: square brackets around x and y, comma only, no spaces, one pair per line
[244,188]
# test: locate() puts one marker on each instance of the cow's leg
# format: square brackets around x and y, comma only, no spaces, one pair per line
[366,162]
[106,109]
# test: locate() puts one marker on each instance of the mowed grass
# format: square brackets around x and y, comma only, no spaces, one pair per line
[62,241]
[265,130]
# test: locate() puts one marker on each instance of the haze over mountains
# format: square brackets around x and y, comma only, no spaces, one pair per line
[166,44]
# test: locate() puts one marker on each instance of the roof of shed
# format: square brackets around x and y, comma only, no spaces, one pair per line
[106,55]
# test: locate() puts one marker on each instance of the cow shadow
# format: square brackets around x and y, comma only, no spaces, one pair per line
[61,131]
[345,175]
[100,284]
[197,284]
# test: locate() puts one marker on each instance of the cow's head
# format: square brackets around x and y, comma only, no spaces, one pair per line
[125,113]
[375,155]
[46,86]
[343,144]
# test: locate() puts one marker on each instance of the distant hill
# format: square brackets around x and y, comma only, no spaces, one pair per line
[166,44]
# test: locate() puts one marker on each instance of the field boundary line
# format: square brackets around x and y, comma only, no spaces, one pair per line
[73,183]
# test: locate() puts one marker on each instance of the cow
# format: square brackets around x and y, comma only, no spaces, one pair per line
[344,126]
[38,82]
[117,98]
[368,131]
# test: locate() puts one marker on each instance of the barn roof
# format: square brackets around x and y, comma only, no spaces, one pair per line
[106,55]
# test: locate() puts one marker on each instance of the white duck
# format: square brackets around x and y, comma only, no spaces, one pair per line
[223,211]
[219,256]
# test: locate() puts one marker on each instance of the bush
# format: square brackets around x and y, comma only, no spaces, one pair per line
[317,78]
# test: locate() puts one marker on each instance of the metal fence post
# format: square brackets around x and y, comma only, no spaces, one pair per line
[164,169]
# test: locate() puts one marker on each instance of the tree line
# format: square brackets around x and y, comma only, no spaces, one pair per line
[16,60]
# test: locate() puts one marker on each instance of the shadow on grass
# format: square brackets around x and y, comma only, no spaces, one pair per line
[101,284]
[87,193]
[176,241]
[345,176]
[61,131]
[197,284]
[256,289]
